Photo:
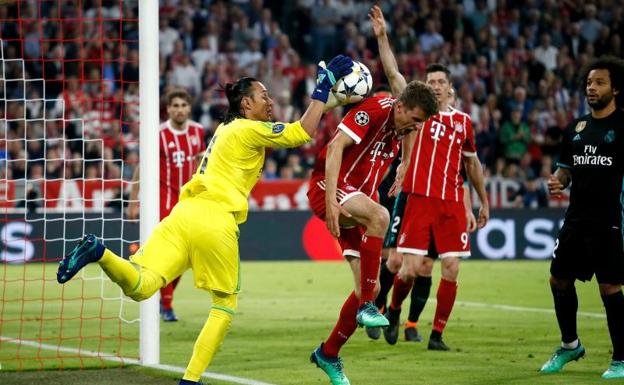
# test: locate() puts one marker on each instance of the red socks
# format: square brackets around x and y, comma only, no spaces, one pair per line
[166,294]
[447,291]
[344,328]
[370,259]
[400,291]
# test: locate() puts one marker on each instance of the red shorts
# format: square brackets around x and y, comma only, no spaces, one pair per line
[350,238]
[444,220]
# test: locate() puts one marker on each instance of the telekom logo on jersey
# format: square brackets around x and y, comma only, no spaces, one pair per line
[378,151]
[178,158]
[437,130]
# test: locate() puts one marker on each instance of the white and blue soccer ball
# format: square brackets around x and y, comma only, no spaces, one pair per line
[355,86]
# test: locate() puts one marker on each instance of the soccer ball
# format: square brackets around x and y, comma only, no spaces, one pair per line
[355,86]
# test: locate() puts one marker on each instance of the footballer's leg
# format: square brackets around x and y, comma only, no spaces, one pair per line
[166,301]
[447,292]
[610,274]
[563,270]
[138,283]
[326,355]
[613,301]
[375,219]
[402,285]
[419,296]
[211,336]
[391,262]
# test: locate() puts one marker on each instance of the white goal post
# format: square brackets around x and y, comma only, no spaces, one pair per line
[149,182]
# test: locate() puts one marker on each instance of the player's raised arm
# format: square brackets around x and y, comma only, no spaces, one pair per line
[338,67]
[391,68]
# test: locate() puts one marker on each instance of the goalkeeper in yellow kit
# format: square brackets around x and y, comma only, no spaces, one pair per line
[201,232]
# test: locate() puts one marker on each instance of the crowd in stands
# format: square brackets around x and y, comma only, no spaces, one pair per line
[514,65]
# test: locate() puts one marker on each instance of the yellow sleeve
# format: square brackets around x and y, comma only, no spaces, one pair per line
[274,134]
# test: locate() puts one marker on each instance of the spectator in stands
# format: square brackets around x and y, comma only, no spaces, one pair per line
[515,136]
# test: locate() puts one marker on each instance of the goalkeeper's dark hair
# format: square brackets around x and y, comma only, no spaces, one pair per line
[615,66]
[178,93]
[418,94]
[234,93]
[438,67]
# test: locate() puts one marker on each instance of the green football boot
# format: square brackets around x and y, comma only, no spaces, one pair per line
[368,315]
[561,357]
[616,370]
[88,250]
[332,366]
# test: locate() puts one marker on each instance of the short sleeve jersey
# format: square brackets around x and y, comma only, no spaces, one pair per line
[435,167]
[232,163]
[177,160]
[371,127]
[593,150]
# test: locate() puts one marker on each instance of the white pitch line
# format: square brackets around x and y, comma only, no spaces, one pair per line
[131,361]
[523,309]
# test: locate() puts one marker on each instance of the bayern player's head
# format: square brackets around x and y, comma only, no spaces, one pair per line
[414,106]
[603,82]
[438,77]
[248,98]
[178,106]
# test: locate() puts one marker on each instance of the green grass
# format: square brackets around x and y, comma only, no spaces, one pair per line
[286,309]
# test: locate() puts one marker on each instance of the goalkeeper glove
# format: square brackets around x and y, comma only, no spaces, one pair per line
[338,67]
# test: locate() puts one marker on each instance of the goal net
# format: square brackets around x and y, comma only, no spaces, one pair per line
[69,111]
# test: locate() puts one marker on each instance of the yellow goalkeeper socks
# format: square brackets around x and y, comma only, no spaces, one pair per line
[136,285]
[212,335]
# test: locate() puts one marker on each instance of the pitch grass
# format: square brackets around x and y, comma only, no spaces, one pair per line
[286,309]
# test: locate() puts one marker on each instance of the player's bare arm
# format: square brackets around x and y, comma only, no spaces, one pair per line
[407,144]
[471,221]
[391,68]
[335,149]
[559,181]
[474,172]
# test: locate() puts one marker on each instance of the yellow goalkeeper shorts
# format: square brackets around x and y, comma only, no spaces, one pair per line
[200,235]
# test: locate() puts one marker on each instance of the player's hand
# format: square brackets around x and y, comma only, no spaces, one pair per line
[484,215]
[471,221]
[395,189]
[555,187]
[331,103]
[377,19]
[327,76]
[133,210]
[332,216]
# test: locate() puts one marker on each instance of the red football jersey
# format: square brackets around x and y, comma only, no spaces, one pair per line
[177,160]
[371,126]
[436,162]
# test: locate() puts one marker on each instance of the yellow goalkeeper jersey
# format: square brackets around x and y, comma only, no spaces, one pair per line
[232,163]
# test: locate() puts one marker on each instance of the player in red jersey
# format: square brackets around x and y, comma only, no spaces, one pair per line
[435,196]
[181,140]
[343,192]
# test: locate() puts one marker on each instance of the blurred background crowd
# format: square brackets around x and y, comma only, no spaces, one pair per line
[514,65]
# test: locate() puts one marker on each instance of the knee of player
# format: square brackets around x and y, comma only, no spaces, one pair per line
[450,271]
[407,273]
[393,265]
[379,219]
[426,268]
[561,284]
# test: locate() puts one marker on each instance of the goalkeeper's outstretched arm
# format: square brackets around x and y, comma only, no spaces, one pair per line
[391,68]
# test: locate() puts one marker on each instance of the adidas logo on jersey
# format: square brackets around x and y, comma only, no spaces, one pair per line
[576,137]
